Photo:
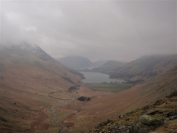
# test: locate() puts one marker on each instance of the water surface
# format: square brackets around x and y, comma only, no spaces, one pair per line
[95,77]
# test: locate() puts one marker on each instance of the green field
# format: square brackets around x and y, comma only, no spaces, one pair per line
[111,87]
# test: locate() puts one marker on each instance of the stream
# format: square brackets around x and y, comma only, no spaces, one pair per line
[63,127]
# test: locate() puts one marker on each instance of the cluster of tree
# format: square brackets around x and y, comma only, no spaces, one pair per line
[82,98]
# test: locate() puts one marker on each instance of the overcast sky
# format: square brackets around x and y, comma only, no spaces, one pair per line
[119,30]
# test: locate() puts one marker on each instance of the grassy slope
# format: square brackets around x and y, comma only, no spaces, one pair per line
[26,80]
[160,86]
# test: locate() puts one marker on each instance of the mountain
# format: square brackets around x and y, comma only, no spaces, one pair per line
[80,63]
[75,62]
[30,82]
[145,67]
[109,67]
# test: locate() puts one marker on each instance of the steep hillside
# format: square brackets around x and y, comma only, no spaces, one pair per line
[28,78]
[109,67]
[145,67]
[75,62]
[160,117]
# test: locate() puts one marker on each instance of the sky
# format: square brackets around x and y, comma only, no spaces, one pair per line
[100,30]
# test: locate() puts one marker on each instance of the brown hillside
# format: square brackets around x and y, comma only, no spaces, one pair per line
[160,117]
[28,77]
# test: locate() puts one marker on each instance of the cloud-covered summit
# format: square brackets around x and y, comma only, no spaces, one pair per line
[121,30]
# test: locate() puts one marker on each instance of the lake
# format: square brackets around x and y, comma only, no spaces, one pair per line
[95,77]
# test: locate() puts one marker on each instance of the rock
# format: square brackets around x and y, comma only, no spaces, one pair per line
[149,121]
[159,102]
[121,116]
[2,119]
[155,112]
[172,113]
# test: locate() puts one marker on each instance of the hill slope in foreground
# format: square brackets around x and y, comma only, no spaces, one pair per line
[160,117]
[28,78]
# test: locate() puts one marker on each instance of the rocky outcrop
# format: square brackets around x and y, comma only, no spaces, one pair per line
[144,120]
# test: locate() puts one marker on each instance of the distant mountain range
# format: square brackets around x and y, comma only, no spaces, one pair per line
[138,70]
[79,62]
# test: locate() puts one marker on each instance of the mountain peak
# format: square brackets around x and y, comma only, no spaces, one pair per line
[27,46]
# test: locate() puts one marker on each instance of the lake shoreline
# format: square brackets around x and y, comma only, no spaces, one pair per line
[97,77]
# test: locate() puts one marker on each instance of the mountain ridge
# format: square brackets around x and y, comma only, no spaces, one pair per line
[80,62]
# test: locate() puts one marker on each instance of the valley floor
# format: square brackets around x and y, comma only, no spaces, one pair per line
[53,109]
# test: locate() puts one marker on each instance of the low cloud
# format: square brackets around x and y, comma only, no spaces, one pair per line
[120,30]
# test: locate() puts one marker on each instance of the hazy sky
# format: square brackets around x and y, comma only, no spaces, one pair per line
[120,30]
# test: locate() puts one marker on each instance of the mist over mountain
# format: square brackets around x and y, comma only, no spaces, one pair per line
[145,67]
[31,55]
[109,67]
[79,62]
[42,89]
[99,63]
[28,79]
[75,62]
[29,73]
[99,30]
